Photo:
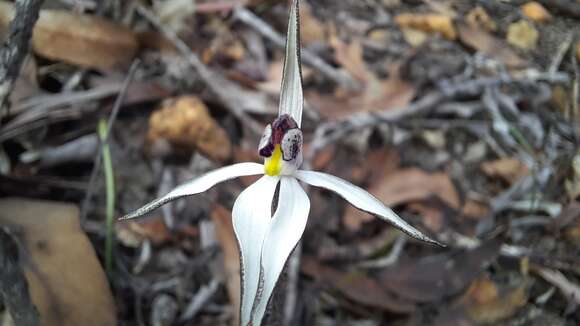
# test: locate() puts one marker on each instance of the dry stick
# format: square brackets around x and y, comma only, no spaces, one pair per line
[227,92]
[15,48]
[13,285]
[339,77]
[332,131]
[111,121]
[562,49]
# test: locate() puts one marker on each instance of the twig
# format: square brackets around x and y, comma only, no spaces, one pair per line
[570,290]
[13,286]
[309,58]
[16,46]
[112,118]
[389,259]
[562,49]
[199,300]
[330,132]
[110,184]
[228,93]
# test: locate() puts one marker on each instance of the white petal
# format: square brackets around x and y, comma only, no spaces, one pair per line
[362,200]
[251,215]
[285,230]
[291,97]
[200,184]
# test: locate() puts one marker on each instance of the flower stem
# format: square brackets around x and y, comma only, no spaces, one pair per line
[110,185]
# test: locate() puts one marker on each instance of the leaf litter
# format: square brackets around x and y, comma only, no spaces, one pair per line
[463,121]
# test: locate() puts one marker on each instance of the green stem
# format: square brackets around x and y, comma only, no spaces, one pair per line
[110,184]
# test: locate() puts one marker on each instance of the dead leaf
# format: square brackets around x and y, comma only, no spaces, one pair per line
[84,40]
[133,233]
[377,95]
[429,23]
[484,42]
[508,169]
[478,17]
[311,29]
[485,303]
[523,35]
[357,287]
[404,186]
[185,122]
[414,36]
[66,281]
[536,12]
[222,219]
[436,277]
[350,56]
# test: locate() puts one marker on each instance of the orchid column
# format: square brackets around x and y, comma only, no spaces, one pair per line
[266,241]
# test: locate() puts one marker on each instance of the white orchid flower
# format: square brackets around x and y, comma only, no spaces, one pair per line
[266,241]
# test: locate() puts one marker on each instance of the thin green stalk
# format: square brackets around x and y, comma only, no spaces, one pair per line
[110,184]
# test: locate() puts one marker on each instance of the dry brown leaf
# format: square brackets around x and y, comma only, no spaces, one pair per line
[523,35]
[413,36]
[485,303]
[185,122]
[65,279]
[350,56]
[404,186]
[508,169]
[429,23]
[311,29]
[484,42]
[357,287]
[434,278]
[132,233]
[84,40]
[478,17]
[222,220]
[536,12]
[377,95]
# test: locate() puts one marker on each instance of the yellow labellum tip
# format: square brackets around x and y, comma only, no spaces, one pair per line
[273,164]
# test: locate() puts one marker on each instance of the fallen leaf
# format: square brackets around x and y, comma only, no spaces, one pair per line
[185,122]
[414,36]
[357,287]
[508,169]
[65,280]
[222,220]
[536,12]
[311,29]
[433,278]
[408,185]
[133,233]
[485,303]
[523,35]
[83,40]
[482,41]
[377,95]
[478,17]
[350,56]
[429,23]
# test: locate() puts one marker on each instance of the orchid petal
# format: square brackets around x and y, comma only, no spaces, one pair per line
[291,96]
[284,232]
[362,200]
[251,215]
[200,184]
